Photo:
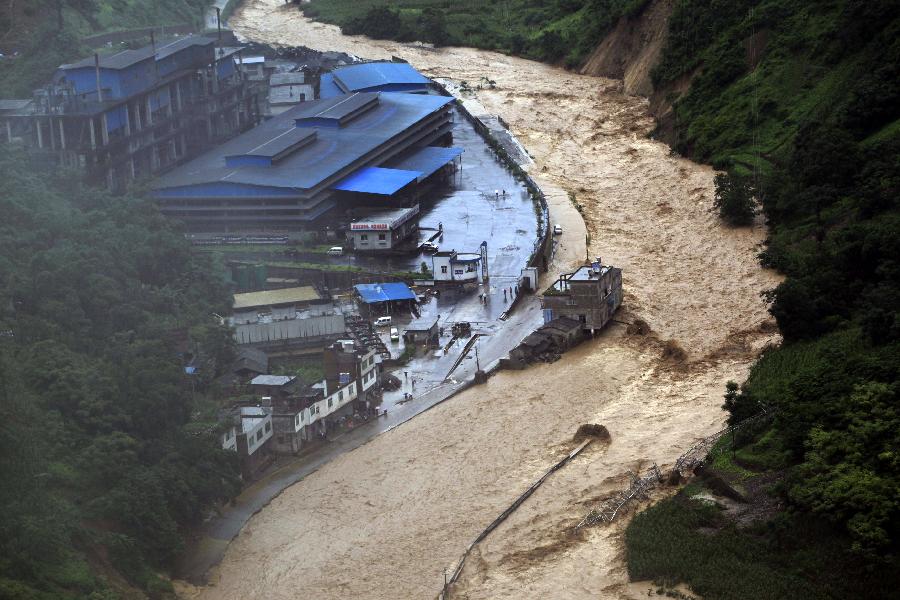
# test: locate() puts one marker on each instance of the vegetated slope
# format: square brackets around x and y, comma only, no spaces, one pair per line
[546,30]
[38,37]
[800,101]
[104,462]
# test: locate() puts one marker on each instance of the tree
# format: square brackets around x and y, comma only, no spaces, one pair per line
[735,199]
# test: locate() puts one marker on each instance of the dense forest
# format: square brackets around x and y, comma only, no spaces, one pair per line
[104,461]
[798,103]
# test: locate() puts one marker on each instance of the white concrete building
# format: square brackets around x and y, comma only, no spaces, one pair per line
[383,230]
[456,266]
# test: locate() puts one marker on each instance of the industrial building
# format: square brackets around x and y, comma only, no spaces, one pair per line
[358,149]
[590,295]
[135,113]
[379,76]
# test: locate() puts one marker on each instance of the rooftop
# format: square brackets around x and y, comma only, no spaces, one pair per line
[372,293]
[422,324]
[389,217]
[336,149]
[367,76]
[251,416]
[292,78]
[275,297]
[277,380]
[127,58]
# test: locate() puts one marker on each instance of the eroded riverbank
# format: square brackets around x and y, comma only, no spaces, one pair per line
[384,520]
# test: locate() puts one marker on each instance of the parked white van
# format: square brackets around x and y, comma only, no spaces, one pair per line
[335,251]
[382,321]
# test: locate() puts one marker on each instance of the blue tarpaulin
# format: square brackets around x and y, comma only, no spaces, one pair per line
[372,293]
[427,160]
[376,180]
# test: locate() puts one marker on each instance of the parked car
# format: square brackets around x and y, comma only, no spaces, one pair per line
[395,334]
[557,229]
[335,251]
[382,322]
[429,247]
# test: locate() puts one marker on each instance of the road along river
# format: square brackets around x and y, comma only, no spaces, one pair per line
[386,519]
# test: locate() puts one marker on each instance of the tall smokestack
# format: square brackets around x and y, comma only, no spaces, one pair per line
[97,72]
[219,22]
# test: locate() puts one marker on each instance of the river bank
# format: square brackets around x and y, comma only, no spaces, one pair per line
[384,520]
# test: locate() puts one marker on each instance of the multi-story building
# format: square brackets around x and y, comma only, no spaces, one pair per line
[590,296]
[361,149]
[135,113]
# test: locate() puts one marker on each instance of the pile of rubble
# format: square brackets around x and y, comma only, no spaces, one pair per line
[546,344]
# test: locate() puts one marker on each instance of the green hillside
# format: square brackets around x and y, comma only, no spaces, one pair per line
[109,451]
[547,30]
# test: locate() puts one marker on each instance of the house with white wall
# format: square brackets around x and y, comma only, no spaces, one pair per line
[453,266]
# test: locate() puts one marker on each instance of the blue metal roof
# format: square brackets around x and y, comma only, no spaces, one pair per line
[334,149]
[372,293]
[426,160]
[371,76]
[328,88]
[376,180]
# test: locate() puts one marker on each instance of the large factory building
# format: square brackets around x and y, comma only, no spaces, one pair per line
[367,149]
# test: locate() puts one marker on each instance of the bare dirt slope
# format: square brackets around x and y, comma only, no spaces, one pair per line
[632,48]
[384,520]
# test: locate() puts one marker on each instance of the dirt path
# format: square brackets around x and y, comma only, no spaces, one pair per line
[384,520]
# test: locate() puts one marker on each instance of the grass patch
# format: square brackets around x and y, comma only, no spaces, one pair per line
[680,540]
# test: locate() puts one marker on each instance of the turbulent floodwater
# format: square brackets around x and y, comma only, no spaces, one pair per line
[385,520]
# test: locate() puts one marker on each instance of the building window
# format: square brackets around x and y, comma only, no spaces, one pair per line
[297,419]
[352,388]
[258,435]
[341,395]
[381,237]
[443,269]
[268,427]
[330,402]
[364,237]
[311,412]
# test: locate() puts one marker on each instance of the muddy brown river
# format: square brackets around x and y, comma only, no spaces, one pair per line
[385,520]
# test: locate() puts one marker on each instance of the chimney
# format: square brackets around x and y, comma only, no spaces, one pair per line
[97,71]
[219,22]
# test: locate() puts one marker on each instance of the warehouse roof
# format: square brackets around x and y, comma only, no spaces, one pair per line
[376,180]
[275,297]
[426,160]
[335,149]
[372,293]
[127,58]
[370,76]
[328,88]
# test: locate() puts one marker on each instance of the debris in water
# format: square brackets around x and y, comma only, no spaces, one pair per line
[592,430]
